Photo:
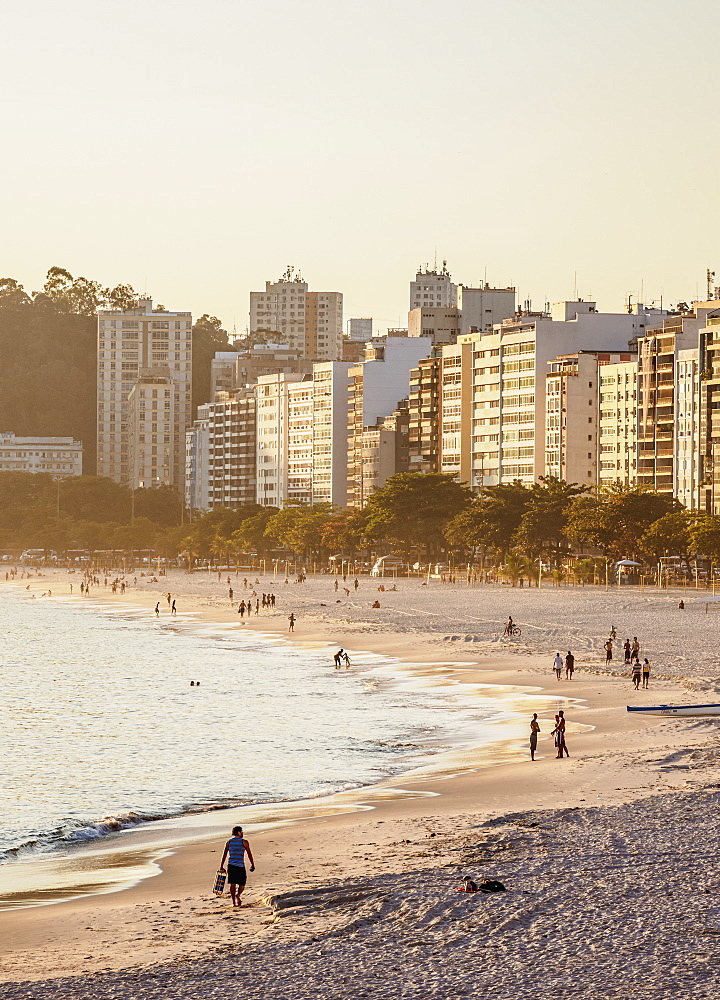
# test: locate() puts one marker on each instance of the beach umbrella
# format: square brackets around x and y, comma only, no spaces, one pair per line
[627,562]
[705,601]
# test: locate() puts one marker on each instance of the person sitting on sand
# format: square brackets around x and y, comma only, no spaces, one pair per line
[236,848]
[376,604]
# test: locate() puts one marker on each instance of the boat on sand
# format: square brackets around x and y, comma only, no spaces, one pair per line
[683,711]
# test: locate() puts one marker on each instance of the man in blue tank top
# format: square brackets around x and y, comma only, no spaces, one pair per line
[235,850]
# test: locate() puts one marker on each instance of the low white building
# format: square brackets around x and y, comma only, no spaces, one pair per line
[59,456]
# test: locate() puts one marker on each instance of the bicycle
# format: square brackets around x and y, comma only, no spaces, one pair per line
[511,633]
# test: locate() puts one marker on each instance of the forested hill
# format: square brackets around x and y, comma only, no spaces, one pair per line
[48,344]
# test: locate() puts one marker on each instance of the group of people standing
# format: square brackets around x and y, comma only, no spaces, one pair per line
[640,672]
[568,663]
[558,734]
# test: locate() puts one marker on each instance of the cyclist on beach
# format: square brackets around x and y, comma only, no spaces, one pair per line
[510,626]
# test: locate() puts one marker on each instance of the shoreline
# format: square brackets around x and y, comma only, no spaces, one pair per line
[286,859]
[485,742]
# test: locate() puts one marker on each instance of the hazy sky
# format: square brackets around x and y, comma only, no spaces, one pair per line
[196,149]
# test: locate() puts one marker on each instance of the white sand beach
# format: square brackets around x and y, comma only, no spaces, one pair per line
[609,857]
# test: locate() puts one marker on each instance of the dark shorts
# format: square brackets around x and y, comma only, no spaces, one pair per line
[533,741]
[237,875]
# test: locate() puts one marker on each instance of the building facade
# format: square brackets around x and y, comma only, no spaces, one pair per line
[482,308]
[311,323]
[58,456]
[133,346]
[377,385]
[360,328]
[433,289]
[440,323]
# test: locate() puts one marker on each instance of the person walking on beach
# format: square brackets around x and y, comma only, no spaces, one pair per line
[235,850]
[569,666]
[157,609]
[608,651]
[291,619]
[534,730]
[560,736]
[628,651]
[173,609]
[646,673]
[558,665]
[636,673]
[635,648]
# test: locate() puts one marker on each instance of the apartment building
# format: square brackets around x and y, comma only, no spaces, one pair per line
[58,456]
[311,323]
[152,442]
[153,349]
[440,323]
[708,458]
[580,402]
[509,369]
[197,462]
[480,309]
[687,464]
[617,422]
[658,354]
[330,384]
[424,415]
[231,370]
[377,385]
[384,450]
[360,328]
[433,289]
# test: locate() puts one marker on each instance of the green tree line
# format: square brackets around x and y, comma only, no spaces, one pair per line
[417,516]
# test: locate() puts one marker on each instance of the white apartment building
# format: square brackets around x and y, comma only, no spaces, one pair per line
[197,462]
[687,463]
[283,439]
[133,345]
[508,383]
[152,443]
[617,423]
[310,322]
[481,308]
[329,432]
[58,456]
[433,289]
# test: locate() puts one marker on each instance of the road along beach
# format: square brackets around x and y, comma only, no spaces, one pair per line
[616,842]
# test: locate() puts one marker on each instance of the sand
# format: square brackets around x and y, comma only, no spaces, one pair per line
[609,858]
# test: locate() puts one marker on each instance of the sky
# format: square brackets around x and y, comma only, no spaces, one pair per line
[195,150]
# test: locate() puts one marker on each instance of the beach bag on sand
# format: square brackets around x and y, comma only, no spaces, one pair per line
[468,885]
[491,885]
[219,886]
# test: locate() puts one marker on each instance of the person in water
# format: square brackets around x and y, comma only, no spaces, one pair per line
[235,850]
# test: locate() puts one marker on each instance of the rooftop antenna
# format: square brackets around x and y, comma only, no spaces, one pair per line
[575,286]
[435,262]
[710,275]
[485,277]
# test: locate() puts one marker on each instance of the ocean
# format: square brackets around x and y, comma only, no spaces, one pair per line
[101,729]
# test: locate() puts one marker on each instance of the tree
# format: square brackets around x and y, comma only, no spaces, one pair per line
[704,537]
[208,337]
[542,525]
[298,527]
[492,519]
[613,518]
[413,509]
[669,535]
